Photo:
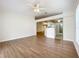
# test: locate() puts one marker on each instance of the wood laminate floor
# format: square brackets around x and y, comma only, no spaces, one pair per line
[37,47]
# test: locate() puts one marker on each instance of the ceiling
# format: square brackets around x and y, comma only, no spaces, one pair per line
[54,7]
[51,7]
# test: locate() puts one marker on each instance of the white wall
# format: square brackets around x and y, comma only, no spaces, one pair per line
[1,23]
[0,27]
[68,26]
[77,25]
[71,31]
[17,23]
[18,26]
[76,41]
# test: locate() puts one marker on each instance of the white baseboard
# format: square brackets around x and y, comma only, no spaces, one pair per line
[75,44]
[68,40]
[4,40]
[76,47]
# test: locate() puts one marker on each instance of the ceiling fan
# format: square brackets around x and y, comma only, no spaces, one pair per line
[37,8]
[35,5]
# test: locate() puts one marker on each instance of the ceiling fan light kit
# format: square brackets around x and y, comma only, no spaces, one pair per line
[36,10]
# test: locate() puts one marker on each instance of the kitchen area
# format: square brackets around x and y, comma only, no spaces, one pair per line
[51,29]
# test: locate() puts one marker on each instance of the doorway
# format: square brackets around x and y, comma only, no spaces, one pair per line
[57,24]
